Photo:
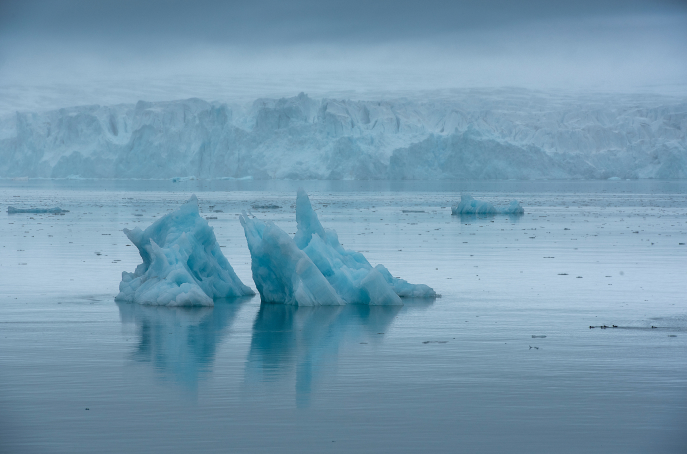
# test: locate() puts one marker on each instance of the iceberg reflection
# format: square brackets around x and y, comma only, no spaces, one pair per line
[303,343]
[180,342]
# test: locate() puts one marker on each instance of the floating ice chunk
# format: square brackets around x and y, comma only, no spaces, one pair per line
[182,263]
[403,288]
[513,208]
[349,272]
[470,206]
[314,269]
[54,210]
[282,272]
[180,179]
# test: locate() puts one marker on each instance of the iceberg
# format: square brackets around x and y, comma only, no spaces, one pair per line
[469,206]
[282,272]
[182,263]
[349,271]
[315,264]
[54,210]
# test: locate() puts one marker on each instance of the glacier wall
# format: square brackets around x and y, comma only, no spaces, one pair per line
[502,134]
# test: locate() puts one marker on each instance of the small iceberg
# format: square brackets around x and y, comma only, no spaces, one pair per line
[53,210]
[314,269]
[470,206]
[182,263]
[180,179]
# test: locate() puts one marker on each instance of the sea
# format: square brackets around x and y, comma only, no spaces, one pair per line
[560,331]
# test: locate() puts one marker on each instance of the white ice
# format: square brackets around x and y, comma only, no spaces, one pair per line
[313,268]
[469,206]
[501,134]
[182,263]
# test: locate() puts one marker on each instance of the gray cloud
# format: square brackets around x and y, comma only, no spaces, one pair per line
[275,22]
[98,51]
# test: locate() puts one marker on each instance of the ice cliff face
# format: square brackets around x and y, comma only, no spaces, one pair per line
[481,135]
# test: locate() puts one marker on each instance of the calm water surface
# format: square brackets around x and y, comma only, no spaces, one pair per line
[80,373]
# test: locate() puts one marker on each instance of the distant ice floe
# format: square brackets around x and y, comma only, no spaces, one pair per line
[180,179]
[469,206]
[314,269]
[182,263]
[53,210]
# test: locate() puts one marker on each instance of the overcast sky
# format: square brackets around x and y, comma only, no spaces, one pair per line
[168,49]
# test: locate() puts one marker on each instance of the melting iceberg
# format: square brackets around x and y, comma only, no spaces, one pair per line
[182,263]
[470,206]
[54,210]
[315,261]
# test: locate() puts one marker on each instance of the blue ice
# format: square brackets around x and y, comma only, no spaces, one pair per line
[282,272]
[469,206]
[182,263]
[280,265]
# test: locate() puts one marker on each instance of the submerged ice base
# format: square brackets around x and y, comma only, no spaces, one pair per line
[469,206]
[182,263]
[313,268]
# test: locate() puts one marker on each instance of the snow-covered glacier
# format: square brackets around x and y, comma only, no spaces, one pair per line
[313,268]
[182,263]
[478,134]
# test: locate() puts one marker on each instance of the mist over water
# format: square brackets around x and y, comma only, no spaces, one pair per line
[58,54]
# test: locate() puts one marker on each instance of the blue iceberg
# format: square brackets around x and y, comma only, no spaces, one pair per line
[313,258]
[182,263]
[469,206]
[282,272]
